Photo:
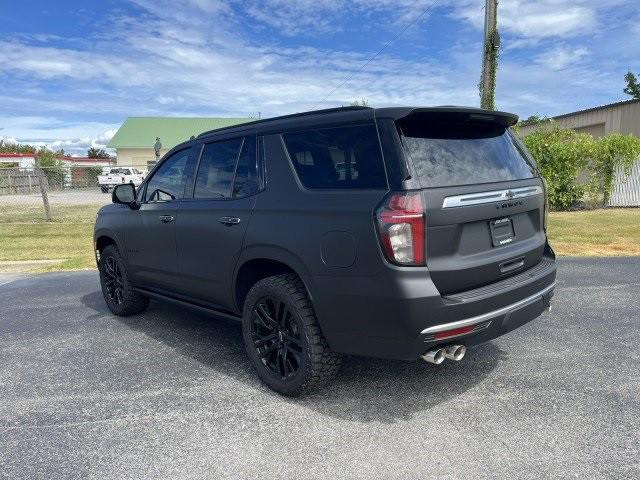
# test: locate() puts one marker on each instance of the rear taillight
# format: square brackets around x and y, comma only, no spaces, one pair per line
[401,226]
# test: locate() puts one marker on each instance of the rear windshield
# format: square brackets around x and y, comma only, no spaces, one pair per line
[448,154]
[340,157]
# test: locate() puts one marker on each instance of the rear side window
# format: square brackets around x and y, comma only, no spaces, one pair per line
[246,180]
[448,154]
[341,157]
[217,168]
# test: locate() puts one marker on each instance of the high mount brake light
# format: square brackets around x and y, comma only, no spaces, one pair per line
[401,226]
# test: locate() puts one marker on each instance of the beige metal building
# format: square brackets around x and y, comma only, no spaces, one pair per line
[621,117]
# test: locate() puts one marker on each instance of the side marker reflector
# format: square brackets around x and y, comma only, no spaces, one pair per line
[455,332]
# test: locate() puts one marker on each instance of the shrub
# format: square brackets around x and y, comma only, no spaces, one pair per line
[92,175]
[52,168]
[562,154]
[612,152]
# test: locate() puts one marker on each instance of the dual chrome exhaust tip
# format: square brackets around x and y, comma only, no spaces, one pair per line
[451,352]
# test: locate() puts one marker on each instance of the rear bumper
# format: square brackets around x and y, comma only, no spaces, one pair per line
[402,316]
[483,321]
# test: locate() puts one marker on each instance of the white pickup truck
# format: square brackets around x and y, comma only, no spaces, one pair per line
[118,175]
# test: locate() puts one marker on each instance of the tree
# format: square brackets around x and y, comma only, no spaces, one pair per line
[532,120]
[360,103]
[633,87]
[9,147]
[51,166]
[97,153]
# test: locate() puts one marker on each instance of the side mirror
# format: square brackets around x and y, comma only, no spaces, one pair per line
[125,194]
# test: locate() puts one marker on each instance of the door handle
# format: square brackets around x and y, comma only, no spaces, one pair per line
[166,218]
[229,220]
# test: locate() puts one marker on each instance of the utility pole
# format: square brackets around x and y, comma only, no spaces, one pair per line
[489,56]
[42,180]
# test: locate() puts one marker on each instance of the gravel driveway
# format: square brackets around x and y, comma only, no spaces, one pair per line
[170,394]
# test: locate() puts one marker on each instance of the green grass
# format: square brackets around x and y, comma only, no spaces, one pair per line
[26,236]
[606,232]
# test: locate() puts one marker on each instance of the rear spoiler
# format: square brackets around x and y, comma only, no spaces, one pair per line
[452,114]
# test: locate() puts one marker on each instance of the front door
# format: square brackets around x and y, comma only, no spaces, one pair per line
[210,227]
[150,236]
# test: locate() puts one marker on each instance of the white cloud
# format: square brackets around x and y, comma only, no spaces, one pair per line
[161,70]
[312,17]
[6,139]
[166,100]
[185,62]
[561,57]
[536,19]
[79,146]
[49,132]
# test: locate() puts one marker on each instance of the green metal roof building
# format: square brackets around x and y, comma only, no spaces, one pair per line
[134,140]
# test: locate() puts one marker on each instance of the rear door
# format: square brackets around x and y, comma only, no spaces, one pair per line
[211,225]
[484,200]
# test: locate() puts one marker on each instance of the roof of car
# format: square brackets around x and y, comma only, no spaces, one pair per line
[353,113]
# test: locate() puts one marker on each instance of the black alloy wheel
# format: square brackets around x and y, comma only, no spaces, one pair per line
[113,281]
[276,337]
[283,338]
[120,296]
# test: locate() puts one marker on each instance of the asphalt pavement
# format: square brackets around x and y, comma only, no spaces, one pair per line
[170,394]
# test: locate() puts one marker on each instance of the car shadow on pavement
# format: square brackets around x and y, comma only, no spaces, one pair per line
[365,390]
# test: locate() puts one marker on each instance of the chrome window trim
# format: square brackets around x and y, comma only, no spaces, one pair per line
[486,316]
[491,196]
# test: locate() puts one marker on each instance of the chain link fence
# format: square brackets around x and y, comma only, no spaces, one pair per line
[23,189]
[47,214]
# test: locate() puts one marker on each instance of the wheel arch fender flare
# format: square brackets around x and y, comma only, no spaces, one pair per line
[99,237]
[275,254]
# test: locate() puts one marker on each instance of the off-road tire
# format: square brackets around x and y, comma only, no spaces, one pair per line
[318,363]
[128,301]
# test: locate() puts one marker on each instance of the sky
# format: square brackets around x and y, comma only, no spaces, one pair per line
[72,71]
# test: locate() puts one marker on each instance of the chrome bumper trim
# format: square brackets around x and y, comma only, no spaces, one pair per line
[486,316]
[491,196]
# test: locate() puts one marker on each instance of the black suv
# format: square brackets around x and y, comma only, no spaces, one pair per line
[393,232]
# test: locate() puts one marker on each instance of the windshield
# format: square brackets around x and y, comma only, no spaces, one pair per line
[448,154]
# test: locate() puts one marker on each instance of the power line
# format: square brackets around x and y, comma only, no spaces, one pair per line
[384,47]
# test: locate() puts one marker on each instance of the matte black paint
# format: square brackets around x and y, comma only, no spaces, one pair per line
[364,304]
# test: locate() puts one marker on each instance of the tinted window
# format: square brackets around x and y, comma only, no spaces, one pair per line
[246,180]
[217,166]
[446,154]
[343,157]
[168,181]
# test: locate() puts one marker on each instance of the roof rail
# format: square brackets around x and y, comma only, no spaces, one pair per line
[291,115]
